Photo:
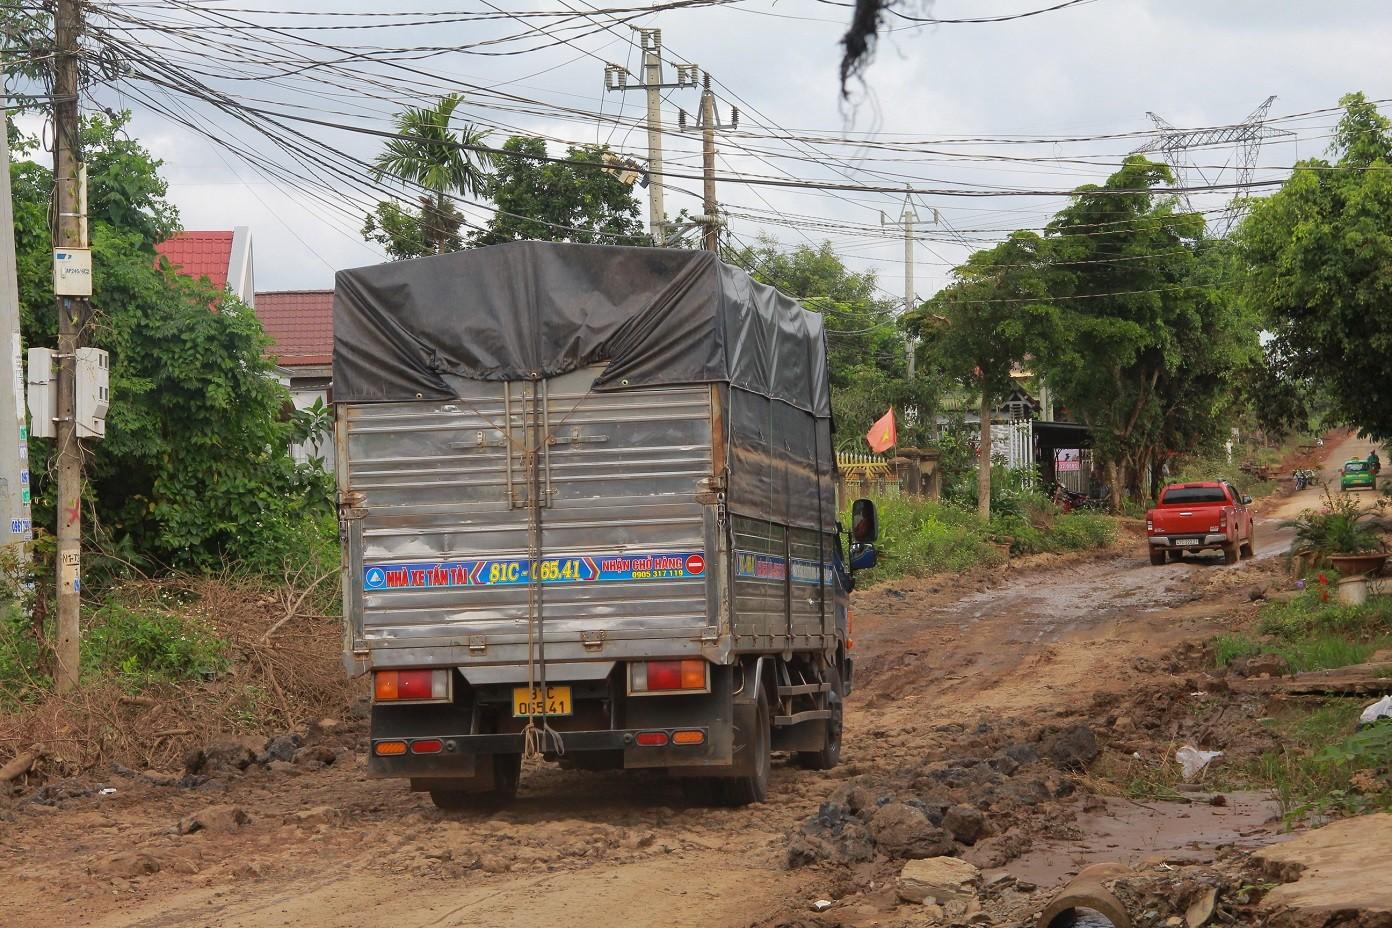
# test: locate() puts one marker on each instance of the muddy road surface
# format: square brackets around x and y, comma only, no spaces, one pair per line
[324,847]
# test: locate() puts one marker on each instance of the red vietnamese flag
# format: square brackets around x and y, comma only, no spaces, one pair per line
[883,435]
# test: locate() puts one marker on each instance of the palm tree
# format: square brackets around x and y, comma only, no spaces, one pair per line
[428,153]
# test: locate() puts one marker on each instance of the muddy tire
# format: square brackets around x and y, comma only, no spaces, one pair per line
[700,791]
[830,754]
[1157,556]
[1174,557]
[1249,547]
[1230,553]
[741,791]
[507,774]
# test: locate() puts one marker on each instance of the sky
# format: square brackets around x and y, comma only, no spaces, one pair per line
[1095,68]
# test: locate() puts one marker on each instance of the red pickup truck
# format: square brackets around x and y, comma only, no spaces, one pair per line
[1200,517]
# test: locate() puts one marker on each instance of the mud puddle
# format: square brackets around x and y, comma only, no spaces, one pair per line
[1131,832]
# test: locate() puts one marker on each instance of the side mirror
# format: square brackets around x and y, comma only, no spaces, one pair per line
[863,557]
[1246,500]
[865,525]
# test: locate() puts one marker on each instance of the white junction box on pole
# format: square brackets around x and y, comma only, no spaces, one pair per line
[93,392]
[72,271]
[43,394]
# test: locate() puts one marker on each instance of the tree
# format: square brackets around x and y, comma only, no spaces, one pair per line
[195,467]
[1315,259]
[988,321]
[1129,309]
[865,347]
[573,200]
[428,153]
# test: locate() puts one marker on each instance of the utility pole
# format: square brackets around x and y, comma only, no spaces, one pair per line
[709,123]
[74,308]
[908,219]
[17,529]
[616,79]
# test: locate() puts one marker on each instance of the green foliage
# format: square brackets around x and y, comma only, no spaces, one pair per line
[1341,527]
[21,654]
[865,348]
[573,200]
[1228,648]
[1316,255]
[1324,765]
[1314,635]
[195,468]
[920,536]
[145,643]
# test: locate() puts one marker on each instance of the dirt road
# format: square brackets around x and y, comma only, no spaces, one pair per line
[324,848]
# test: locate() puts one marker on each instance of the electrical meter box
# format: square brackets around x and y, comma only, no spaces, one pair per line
[93,392]
[43,394]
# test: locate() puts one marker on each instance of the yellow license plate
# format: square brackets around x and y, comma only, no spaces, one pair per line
[527,702]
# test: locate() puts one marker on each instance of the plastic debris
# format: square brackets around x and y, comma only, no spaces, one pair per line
[1382,709]
[108,791]
[1192,761]
[821,905]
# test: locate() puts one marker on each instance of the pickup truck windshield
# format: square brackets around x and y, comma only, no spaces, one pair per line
[1189,496]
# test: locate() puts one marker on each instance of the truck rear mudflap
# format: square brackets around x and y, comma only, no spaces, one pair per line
[602,725]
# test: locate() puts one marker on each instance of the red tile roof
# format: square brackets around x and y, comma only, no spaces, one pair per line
[200,254]
[301,324]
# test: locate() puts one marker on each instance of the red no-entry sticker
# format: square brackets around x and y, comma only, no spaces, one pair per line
[695,564]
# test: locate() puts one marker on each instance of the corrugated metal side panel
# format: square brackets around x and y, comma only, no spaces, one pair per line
[439,483]
[761,594]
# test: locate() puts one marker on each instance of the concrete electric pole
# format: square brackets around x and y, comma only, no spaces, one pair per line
[908,219]
[708,123]
[14,434]
[73,286]
[616,79]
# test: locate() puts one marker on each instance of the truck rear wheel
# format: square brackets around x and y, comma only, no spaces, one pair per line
[1249,547]
[1157,556]
[830,754]
[507,775]
[1230,553]
[741,791]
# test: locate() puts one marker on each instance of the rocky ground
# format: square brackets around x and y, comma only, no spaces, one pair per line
[988,742]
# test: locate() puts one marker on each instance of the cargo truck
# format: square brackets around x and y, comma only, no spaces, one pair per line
[588,510]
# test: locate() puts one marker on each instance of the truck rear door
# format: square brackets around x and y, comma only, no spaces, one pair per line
[443,552]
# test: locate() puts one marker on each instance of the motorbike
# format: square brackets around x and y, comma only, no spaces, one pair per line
[1303,478]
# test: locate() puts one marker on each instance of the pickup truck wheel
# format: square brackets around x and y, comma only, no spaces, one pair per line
[830,754]
[1249,547]
[1174,557]
[741,791]
[1157,556]
[1230,553]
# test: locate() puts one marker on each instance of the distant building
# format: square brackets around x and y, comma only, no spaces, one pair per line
[300,323]
[224,258]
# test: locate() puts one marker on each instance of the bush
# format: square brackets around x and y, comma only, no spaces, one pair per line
[149,643]
[920,536]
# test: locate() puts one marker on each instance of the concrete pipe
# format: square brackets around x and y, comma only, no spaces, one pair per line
[1085,891]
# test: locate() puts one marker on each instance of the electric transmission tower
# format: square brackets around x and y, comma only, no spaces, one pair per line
[1245,138]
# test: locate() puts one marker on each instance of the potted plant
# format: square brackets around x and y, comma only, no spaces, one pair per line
[1341,534]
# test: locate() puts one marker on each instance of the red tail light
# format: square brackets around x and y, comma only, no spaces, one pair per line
[427,746]
[652,739]
[412,685]
[689,676]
